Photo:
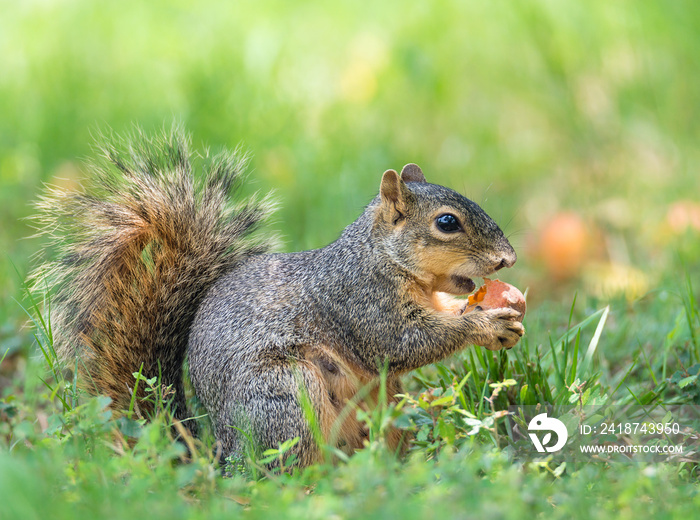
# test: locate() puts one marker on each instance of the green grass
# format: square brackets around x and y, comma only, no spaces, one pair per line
[65,456]
[530,108]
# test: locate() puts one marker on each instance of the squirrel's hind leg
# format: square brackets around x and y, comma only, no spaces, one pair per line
[313,397]
[343,389]
[292,398]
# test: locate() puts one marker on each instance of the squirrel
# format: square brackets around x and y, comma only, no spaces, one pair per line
[159,265]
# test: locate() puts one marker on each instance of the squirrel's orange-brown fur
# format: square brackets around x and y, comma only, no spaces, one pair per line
[158,265]
[138,249]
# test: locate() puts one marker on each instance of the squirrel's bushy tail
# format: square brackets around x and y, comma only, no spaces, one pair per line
[137,250]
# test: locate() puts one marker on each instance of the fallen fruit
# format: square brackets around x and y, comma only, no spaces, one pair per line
[564,245]
[495,294]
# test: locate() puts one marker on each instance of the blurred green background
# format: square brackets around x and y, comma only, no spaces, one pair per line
[575,125]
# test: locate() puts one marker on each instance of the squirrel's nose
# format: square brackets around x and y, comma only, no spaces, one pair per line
[501,265]
[506,261]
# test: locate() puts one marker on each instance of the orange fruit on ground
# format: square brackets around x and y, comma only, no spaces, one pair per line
[563,245]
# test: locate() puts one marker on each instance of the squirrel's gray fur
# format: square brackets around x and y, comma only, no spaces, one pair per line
[158,265]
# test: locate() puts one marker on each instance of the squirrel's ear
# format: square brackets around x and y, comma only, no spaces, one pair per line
[394,193]
[412,173]
[390,189]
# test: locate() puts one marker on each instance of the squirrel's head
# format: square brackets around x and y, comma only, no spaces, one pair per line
[437,234]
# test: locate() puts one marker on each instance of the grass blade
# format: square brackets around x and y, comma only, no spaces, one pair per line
[593,345]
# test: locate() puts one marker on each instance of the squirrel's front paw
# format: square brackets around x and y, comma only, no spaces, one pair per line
[501,329]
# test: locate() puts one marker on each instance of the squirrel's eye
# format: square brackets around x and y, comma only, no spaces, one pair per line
[448,223]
